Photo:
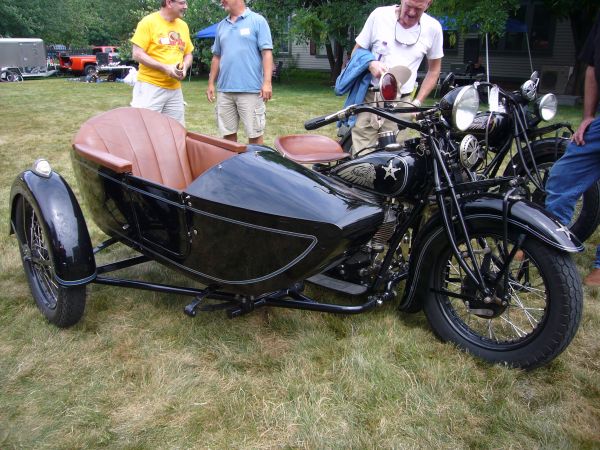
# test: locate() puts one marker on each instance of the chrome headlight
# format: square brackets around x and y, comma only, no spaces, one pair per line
[529,89]
[460,106]
[547,106]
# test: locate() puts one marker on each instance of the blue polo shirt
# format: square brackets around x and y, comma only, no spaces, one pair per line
[239,44]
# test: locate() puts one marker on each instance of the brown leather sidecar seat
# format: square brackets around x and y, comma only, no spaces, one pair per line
[150,145]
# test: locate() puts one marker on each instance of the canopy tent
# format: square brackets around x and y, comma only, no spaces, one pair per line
[208,32]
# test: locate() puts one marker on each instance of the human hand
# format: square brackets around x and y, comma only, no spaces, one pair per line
[174,72]
[580,131]
[210,93]
[377,68]
[266,91]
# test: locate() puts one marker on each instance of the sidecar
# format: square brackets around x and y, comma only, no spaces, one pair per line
[241,219]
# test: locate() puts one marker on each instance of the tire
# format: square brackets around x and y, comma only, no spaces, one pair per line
[61,305]
[586,216]
[90,69]
[539,320]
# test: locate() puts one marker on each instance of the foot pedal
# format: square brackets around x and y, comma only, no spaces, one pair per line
[338,285]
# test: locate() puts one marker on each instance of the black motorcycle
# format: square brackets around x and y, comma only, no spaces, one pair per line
[253,226]
[453,236]
[509,141]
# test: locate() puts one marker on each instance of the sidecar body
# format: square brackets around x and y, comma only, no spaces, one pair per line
[242,219]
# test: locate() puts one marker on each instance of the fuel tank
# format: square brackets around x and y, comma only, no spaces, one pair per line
[386,173]
[497,126]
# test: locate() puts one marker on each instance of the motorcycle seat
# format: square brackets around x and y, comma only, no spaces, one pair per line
[309,148]
[150,145]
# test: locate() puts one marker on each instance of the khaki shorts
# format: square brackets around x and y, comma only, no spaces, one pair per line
[235,106]
[166,101]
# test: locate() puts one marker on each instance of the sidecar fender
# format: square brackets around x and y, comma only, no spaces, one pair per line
[481,213]
[58,211]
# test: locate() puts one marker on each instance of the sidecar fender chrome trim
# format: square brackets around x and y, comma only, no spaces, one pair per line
[86,280]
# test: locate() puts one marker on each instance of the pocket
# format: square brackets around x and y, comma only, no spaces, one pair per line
[260,118]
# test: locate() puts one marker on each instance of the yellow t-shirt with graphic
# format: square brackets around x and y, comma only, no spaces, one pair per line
[167,42]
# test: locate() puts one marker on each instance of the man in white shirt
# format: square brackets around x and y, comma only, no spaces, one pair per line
[398,35]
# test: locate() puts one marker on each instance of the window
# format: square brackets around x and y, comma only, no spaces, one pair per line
[532,20]
[283,44]
[450,42]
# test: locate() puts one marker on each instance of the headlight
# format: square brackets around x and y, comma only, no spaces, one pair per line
[459,106]
[547,107]
[528,90]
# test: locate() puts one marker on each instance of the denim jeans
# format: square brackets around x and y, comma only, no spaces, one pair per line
[572,175]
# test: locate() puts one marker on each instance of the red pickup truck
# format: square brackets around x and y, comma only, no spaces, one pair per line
[86,64]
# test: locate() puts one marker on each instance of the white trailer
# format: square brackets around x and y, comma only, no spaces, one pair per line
[21,58]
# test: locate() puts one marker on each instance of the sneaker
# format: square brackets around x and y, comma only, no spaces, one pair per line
[593,278]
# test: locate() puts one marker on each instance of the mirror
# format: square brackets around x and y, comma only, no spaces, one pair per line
[447,84]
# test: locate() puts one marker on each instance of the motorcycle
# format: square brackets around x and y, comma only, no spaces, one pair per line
[253,226]
[508,141]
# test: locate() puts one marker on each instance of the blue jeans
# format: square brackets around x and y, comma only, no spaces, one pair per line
[572,175]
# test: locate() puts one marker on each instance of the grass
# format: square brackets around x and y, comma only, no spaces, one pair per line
[137,373]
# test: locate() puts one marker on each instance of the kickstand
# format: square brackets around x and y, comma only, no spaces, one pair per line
[190,309]
[199,303]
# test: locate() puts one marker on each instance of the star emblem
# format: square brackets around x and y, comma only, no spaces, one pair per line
[390,170]
[565,230]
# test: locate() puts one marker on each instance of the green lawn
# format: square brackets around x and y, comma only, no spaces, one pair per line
[137,373]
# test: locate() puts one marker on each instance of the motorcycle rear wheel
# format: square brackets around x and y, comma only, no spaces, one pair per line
[541,317]
[586,216]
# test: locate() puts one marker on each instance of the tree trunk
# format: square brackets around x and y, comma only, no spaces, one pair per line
[335,56]
[581,25]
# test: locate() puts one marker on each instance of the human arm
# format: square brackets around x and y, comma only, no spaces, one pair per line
[266,91]
[590,105]
[377,68]
[434,67]
[212,76]
[140,55]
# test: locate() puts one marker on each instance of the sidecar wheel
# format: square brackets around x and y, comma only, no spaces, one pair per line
[63,306]
[541,317]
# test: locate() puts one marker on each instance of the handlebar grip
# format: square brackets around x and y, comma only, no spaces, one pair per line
[318,122]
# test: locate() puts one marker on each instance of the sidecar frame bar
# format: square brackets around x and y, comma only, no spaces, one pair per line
[238,304]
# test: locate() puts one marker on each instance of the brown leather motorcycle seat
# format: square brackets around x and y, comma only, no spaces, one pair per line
[309,148]
[150,145]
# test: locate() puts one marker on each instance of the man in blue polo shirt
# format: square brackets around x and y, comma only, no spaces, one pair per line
[242,66]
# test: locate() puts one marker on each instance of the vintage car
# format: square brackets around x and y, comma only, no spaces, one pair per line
[241,219]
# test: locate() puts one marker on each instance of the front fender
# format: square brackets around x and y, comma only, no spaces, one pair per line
[482,213]
[59,212]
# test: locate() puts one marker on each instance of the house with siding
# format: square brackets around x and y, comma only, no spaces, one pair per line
[538,35]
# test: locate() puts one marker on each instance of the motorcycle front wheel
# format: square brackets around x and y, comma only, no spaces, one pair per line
[536,322]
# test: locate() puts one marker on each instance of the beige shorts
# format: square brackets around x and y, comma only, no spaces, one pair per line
[166,101]
[235,106]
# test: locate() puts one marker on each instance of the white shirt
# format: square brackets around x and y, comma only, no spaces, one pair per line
[379,36]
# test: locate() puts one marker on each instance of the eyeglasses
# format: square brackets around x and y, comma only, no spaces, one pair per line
[404,33]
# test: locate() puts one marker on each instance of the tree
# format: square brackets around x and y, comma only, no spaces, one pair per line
[582,15]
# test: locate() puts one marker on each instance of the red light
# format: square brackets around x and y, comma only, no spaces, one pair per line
[388,87]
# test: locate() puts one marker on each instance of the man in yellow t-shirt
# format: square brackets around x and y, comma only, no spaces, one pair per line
[162,46]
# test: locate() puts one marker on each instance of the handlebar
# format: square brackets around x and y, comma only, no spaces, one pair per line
[386,113]
[318,122]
